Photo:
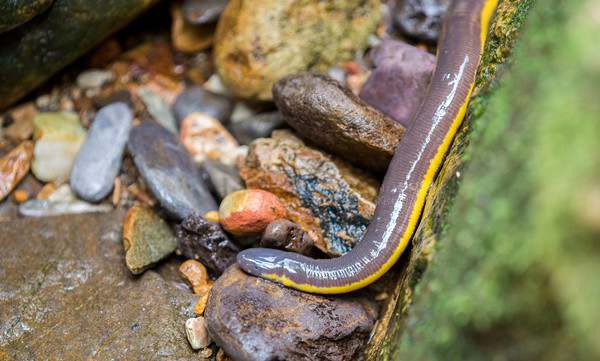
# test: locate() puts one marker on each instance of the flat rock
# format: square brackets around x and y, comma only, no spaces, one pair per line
[399,82]
[196,99]
[323,111]
[99,159]
[158,108]
[421,19]
[259,42]
[256,126]
[332,201]
[223,179]
[257,320]
[169,172]
[47,208]
[147,239]
[14,166]
[58,139]
[200,12]
[64,281]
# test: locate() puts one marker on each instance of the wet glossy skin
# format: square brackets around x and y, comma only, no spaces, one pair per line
[416,161]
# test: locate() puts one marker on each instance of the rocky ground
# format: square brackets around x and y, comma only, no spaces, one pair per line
[130,181]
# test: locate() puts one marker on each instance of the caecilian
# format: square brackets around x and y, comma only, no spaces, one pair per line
[415,164]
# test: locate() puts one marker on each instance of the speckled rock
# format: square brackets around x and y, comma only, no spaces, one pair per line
[200,12]
[205,137]
[147,239]
[399,81]
[205,241]
[223,179]
[256,126]
[257,320]
[14,166]
[421,19]
[196,99]
[64,281]
[261,41]
[328,114]
[169,171]
[99,159]
[288,236]
[329,199]
[197,334]
[248,212]
[15,13]
[58,139]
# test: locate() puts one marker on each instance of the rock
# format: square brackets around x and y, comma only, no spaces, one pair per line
[169,171]
[22,122]
[34,51]
[329,115]
[196,99]
[329,199]
[224,179]
[94,78]
[200,12]
[196,275]
[47,208]
[186,37]
[99,160]
[197,334]
[257,126]
[261,41]
[64,281]
[158,109]
[399,81]
[58,139]
[20,196]
[147,239]
[248,212]
[258,320]
[16,13]
[288,236]
[14,166]
[421,19]
[201,304]
[204,137]
[206,242]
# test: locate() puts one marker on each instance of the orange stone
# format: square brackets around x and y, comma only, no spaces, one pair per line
[20,196]
[248,212]
[212,216]
[195,274]
[14,166]
[201,304]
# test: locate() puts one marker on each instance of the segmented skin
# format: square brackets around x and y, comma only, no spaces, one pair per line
[411,172]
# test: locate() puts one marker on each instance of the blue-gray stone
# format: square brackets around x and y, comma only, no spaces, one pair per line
[99,159]
[196,99]
[169,171]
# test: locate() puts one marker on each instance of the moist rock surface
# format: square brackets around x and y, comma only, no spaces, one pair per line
[421,19]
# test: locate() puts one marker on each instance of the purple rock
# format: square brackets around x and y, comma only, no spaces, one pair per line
[399,81]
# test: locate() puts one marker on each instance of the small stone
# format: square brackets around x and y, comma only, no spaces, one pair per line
[205,353]
[204,137]
[62,194]
[95,78]
[46,191]
[158,109]
[58,139]
[168,171]
[224,179]
[200,12]
[332,201]
[201,304]
[14,166]
[421,19]
[248,212]
[196,275]
[20,196]
[221,356]
[215,84]
[212,216]
[197,334]
[255,319]
[196,99]
[288,236]
[187,37]
[398,84]
[147,239]
[257,126]
[99,159]
[262,41]
[328,114]
[22,122]
[205,241]
[47,208]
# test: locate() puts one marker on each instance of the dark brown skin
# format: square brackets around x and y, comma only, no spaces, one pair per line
[416,161]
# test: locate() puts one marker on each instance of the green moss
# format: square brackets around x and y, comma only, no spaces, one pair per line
[513,276]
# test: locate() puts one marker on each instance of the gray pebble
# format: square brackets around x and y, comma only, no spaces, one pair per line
[47,208]
[158,109]
[200,12]
[197,99]
[224,179]
[257,126]
[99,159]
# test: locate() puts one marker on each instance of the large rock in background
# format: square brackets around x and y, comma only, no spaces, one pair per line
[261,41]
[32,52]
[65,294]
[15,13]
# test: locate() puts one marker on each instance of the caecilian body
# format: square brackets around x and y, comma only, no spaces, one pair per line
[411,172]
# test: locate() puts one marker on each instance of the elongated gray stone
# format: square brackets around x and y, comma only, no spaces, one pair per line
[99,159]
[169,171]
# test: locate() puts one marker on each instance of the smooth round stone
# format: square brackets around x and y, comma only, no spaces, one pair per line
[99,159]
[200,12]
[195,99]
[248,212]
[169,171]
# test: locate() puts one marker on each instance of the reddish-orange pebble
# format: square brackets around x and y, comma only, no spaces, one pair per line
[248,212]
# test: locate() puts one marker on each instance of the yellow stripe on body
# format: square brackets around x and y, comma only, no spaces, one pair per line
[485,15]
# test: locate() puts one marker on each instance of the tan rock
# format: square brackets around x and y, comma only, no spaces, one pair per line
[204,137]
[186,37]
[196,275]
[14,166]
[197,333]
[22,127]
